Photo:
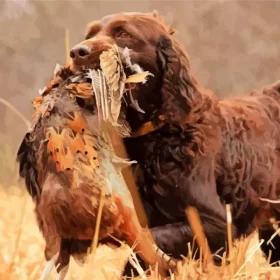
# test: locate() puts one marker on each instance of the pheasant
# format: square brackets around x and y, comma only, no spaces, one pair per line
[68,162]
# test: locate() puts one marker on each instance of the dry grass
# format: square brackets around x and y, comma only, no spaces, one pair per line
[21,251]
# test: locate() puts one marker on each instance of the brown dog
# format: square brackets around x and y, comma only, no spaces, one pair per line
[191,148]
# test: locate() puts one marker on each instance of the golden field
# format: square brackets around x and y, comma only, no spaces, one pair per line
[207,29]
[21,251]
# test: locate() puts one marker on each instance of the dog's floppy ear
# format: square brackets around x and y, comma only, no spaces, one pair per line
[178,90]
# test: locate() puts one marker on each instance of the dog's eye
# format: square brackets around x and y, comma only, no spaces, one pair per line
[124,35]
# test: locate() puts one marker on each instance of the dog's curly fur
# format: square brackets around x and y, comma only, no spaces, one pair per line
[209,152]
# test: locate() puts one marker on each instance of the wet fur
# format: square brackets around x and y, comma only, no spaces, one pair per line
[208,153]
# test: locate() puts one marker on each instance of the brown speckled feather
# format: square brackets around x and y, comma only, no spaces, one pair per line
[66,160]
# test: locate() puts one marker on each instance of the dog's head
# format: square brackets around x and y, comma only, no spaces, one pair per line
[170,91]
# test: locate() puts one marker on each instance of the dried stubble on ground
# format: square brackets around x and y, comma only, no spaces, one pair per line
[22,247]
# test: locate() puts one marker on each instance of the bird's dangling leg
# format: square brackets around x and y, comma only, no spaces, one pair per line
[62,273]
[62,262]
[49,267]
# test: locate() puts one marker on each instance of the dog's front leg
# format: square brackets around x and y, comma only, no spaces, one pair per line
[173,237]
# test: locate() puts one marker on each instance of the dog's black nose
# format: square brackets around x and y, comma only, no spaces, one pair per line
[79,52]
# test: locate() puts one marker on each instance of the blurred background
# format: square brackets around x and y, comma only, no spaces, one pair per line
[233,48]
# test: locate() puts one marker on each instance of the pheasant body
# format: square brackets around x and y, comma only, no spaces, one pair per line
[69,165]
